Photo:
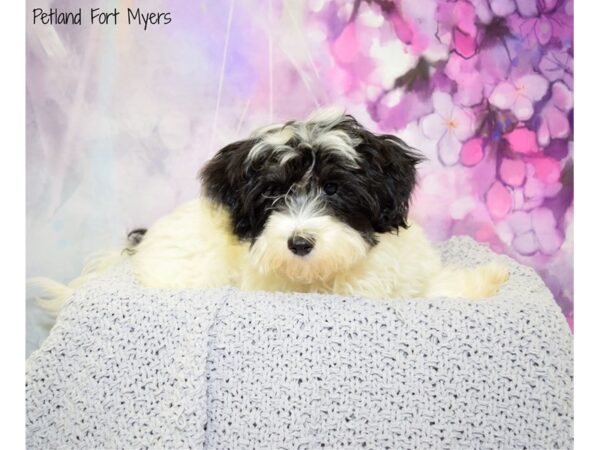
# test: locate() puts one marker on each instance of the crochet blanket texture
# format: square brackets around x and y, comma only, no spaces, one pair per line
[128,367]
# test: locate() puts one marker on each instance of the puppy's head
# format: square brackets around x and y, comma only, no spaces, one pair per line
[312,196]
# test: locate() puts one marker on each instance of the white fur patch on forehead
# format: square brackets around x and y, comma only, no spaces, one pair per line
[304,207]
[317,131]
[339,142]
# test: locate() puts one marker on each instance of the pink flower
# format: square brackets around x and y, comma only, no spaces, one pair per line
[403,28]
[554,121]
[546,169]
[464,17]
[520,95]
[472,152]
[498,200]
[522,140]
[415,24]
[468,80]
[459,17]
[346,48]
[449,125]
[512,171]
[535,231]
[541,182]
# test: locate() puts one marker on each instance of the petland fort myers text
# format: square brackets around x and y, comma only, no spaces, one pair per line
[98,16]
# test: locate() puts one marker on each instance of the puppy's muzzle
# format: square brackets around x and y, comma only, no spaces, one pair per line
[300,245]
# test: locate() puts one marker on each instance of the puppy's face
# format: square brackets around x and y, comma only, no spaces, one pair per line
[312,196]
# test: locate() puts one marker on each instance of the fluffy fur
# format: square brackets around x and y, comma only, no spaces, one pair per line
[319,205]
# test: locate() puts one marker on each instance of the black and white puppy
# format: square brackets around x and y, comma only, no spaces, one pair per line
[319,205]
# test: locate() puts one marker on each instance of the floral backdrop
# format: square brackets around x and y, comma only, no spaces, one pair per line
[119,119]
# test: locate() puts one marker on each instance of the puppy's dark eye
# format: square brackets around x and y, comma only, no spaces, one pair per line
[330,188]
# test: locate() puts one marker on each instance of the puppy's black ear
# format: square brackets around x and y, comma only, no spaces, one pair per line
[392,165]
[225,179]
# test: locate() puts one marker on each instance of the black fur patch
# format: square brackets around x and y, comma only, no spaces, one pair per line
[371,195]
[135,236]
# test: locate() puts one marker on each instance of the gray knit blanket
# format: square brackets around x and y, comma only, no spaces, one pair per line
[127,367]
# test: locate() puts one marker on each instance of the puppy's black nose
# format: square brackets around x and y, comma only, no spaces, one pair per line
[300,246]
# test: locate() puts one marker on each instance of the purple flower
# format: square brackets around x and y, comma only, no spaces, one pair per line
[543,27]
[520,95]
[483,11]
[554,120]
[502,8]
[541,182]
[449,125]
[536,30]
[557,65]
[465,72]
[459,19]
[526,8]
[535,231]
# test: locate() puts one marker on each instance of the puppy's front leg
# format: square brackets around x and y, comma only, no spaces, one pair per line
[468,282]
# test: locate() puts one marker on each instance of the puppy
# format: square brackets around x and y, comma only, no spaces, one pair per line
[319,205]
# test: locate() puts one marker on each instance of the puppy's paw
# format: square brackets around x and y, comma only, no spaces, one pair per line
[491,276]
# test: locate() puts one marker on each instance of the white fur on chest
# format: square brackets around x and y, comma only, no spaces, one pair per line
[194,247]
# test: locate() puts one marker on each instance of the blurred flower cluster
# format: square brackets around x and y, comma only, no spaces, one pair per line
[485,87]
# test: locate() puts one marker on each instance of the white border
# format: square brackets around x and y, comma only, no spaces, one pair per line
[12,261]
[587,208]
